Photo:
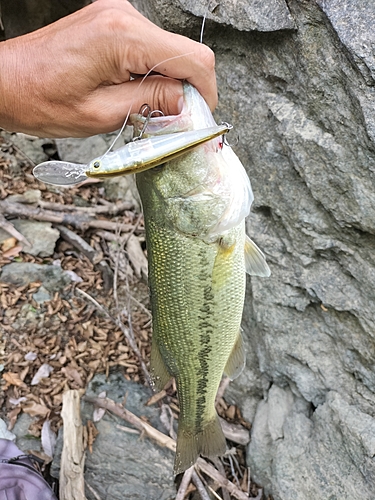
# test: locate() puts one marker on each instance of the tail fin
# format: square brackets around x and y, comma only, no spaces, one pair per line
[210,442]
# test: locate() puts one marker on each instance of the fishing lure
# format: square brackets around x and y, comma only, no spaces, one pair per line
[134,157]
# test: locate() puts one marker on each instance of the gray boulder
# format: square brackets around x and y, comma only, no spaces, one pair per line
[41,236]
[301,102]
[52,277]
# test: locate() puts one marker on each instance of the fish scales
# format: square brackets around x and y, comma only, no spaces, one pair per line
[194,209]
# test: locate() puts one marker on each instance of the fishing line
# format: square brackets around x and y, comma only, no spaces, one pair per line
[204,21]
[131,104]
[148,73]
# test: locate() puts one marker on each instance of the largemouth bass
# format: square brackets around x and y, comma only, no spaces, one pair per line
[194,209]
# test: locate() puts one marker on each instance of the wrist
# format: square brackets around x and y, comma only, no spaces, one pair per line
[10,99]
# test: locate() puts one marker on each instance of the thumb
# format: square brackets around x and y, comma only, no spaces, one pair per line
[111,104]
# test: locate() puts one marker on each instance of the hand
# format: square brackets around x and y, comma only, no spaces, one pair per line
[72,78]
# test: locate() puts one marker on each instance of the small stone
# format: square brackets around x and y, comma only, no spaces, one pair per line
[53,278]
[4,433]
[42,295]
[41,235]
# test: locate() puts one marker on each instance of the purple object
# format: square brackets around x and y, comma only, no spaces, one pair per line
[19,479]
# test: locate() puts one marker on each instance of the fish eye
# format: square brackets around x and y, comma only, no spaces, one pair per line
[96,164]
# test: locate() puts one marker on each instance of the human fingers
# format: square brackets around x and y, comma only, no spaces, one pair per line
[106,108]
[142,46]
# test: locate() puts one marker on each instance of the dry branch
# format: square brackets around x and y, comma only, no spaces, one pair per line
[77,219]
[200,486]
[184,483]
[10,229]
[72,485]
[120,411]
[111,209]
[222,481]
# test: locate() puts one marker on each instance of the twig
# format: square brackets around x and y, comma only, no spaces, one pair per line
[220,467]
[156,397]
[141,306]
[112,237]
[76,219]
[129,430]
[92,491]
[112,209]
[124,330]
[232,470]
[184,483]
[10,229]
[222,481]
[129,334]
[200,486]
[216,495]
[115,274]
[120,411]
[127,237]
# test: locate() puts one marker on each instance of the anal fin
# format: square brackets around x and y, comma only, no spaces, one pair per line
[237,359]
[159,372]
[255,262]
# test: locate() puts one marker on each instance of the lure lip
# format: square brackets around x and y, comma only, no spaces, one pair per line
[60,173]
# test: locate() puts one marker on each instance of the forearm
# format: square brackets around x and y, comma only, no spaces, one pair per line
[24,82]
[10,87]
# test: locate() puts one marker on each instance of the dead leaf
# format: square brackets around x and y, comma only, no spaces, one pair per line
[36,409]
[98,414]
[73,374]
[13,252]
[156,397]
[12,417]
[13,379]
[48,438]
[92,432]
[8,244]
[16,402]
[31,356]
[44,372]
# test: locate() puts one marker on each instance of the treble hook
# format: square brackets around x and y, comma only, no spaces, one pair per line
[224,138]
[142,111]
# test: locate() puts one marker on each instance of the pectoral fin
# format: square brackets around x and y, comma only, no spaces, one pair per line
[255,262]
[159,373]
[237,359]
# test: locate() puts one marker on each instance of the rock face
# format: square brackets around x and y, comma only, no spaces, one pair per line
[244,15]
[300,94]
